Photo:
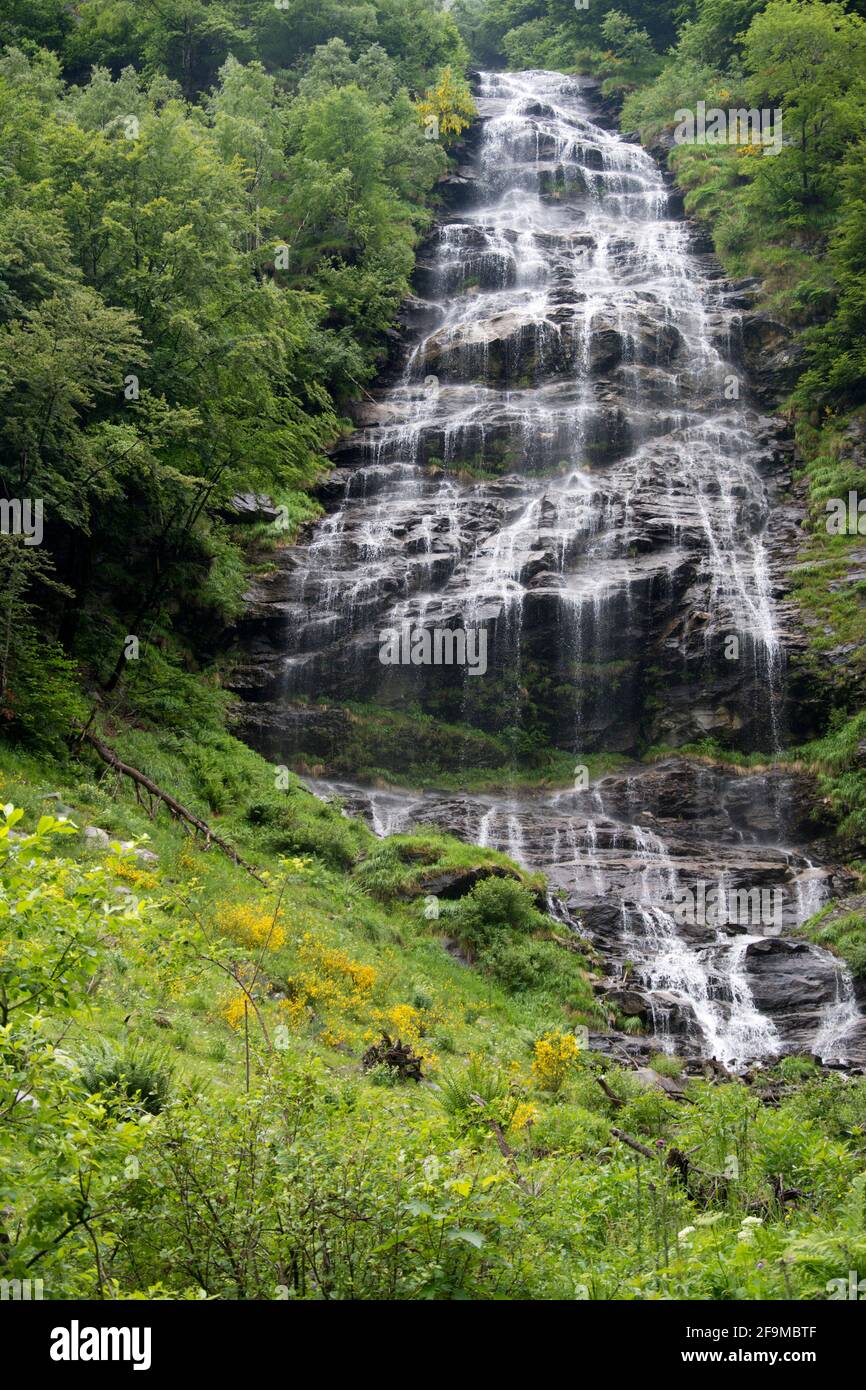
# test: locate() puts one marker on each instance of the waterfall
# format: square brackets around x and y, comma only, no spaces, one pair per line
[572,351]
[840,1019]
[569,460]
[710,980]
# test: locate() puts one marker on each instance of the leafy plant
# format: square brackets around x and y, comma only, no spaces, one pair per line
[137,1073]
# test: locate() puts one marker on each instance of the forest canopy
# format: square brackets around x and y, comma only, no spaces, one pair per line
[208,215]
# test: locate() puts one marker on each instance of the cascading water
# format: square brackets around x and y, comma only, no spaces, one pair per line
[562,462]
[570,462]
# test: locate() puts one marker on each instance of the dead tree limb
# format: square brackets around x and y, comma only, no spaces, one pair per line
[180,813]
[504,1147]
[632,1143]
[611,1095]
[700,1185]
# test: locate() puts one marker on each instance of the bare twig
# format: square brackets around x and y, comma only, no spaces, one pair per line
[611,1095]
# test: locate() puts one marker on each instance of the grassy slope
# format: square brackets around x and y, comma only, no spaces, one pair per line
[322,895]
[583,1223]
[334,932]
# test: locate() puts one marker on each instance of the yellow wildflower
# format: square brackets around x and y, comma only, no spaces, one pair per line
[235,1009]
[250,925]
[525,1115]
[555,1055]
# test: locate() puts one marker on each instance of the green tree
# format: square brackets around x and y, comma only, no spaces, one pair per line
[809,60]
[625,38]
[837,349]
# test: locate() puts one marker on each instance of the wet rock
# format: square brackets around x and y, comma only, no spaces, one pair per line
[456,883]
[628,1002]
[249,506]
[654,1081]
[605,350]
[772,357]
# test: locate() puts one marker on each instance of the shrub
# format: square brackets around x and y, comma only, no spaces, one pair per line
[555,1057]
[523,965]
[797,1068]
[299,824]
[250,925]
[137,1073]
[666,1065]
[495,906]
[488,1082]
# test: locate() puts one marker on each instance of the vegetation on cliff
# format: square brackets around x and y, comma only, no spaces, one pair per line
[208,217]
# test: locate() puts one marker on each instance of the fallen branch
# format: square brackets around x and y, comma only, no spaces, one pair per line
[611,1095]
[701,1186]
[504,1147]
[180,813]
[785,1194]
[632,1143]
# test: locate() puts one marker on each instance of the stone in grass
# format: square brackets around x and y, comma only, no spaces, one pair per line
[98,838]
[144,856]
[629,1002]
[654,1081]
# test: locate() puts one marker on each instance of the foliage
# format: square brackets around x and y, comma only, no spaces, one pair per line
[447,107]
[405,864]
[552,33]
[138,1074]
[53,917]
[208,219]
[494,907]
[410,747]
[555,1055]
[152,1149]
[478,1092]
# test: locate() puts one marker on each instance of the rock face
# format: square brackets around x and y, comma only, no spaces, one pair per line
[573,459]
[578,462]
[772,358]
[691,881]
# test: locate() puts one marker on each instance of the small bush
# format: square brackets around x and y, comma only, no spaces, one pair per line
[666,1065]
[137,1073]
[555,1057]
[521,966]
[494,907]
[489,1083]
[797,1068]
[300,824]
